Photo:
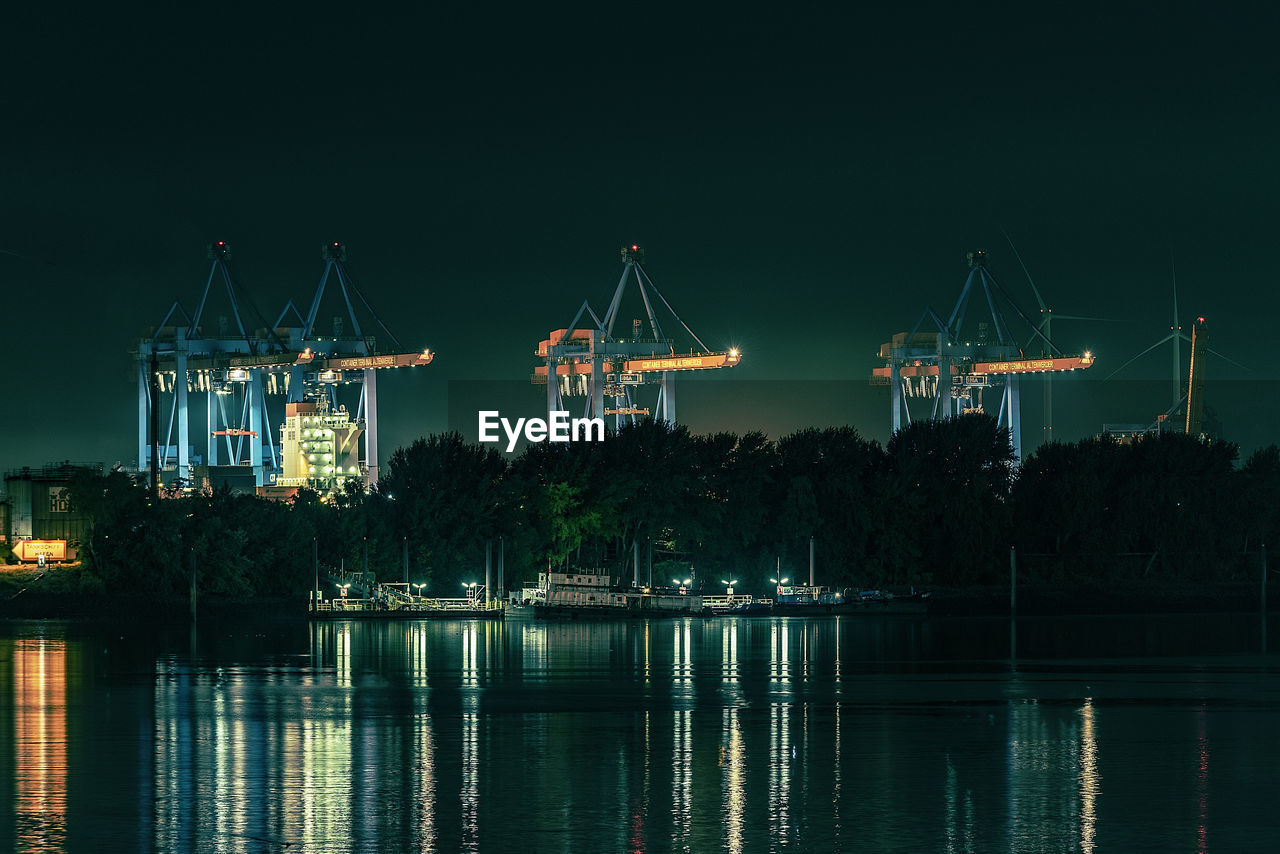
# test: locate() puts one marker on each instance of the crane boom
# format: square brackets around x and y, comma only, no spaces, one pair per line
[1022,366]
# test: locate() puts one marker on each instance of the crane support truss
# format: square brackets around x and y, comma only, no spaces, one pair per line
[592,362]
[993,363]
[238,370]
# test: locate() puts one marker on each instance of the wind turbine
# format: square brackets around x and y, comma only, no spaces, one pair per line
[1177,336]
[1046,329]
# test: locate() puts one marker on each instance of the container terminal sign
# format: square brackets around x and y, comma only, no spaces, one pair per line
[34,549]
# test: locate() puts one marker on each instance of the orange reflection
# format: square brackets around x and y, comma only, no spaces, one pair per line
[40,744]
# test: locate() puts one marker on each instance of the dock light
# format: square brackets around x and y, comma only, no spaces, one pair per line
[729,586]
[779,580]
[420,586]
[733,352]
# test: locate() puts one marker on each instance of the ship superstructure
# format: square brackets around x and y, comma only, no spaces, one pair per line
[320,447]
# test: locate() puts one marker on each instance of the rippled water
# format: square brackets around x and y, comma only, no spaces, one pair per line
[786,734]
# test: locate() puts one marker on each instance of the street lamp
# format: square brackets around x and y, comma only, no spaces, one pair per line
[729,585]
[343,588]
[471,592]
[420,586]
[683,584]
[779,582]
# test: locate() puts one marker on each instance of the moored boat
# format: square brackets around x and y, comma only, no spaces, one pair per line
[809,600]
[576,594]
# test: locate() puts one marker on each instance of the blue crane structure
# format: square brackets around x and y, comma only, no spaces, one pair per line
[595,362]
[238,369]
[947,368]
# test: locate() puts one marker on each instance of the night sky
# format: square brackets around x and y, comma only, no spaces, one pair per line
[805,182]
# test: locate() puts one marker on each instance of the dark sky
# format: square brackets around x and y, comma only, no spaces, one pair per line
[805,183]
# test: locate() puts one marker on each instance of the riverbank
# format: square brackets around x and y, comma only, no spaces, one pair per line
[1117,597]
[65,592]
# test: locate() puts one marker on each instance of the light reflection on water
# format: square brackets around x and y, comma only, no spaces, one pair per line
[39,679]
[732,735]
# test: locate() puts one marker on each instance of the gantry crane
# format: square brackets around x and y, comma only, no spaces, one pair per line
[607,368]
[238,369]
[949,370]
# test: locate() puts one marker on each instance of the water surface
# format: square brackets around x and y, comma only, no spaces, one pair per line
[749,734]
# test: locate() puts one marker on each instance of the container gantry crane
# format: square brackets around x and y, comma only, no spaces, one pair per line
[948,371]
[608,369]
[238,370]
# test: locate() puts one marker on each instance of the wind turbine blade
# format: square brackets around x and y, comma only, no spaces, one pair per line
[1057,316]
[1163,340]
[27,258]
[1025,271]
[1039,331]
[1213,352]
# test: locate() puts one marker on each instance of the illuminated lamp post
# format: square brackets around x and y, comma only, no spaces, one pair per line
[779,582]
[343,588]
[471,592]
[729,587]
[684,585]
[420,586]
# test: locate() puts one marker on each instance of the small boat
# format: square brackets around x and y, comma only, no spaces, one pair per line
[585,594]
[808,600]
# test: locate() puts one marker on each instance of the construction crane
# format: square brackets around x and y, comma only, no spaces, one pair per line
[595,363]
[949,371]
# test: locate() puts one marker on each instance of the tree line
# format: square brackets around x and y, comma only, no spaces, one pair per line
[940,504]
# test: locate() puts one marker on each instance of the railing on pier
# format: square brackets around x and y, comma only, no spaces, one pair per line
[724,603]
[401,602]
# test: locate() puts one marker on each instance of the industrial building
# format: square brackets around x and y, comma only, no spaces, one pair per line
[38,505]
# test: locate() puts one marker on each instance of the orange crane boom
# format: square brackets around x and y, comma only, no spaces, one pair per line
[1022,366]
